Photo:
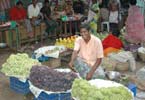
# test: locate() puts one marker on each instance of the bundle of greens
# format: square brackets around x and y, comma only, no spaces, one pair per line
[18,65]
[83,90]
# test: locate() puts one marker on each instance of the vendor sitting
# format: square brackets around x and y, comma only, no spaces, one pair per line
[19,14]
[87,54]
[50,23]
[34,14]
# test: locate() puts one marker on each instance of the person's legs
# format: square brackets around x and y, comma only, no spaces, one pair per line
[51,26]
[81,67]
[29,28]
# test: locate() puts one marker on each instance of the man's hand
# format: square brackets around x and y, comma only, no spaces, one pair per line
[89,76]
[71,66]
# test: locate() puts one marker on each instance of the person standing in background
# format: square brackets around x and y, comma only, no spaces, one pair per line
[135,24]
[114,18]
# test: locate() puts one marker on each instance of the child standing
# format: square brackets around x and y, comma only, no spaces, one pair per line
[114,18]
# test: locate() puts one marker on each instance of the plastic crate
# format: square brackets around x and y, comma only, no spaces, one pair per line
[54,96]
[19,86]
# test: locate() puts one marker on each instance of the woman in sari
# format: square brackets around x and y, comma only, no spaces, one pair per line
[135,24]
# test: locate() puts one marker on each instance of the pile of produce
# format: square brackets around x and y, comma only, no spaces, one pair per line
[83,90]
[101,36]
[18,65]
[49,79]
[122,35]
[67,42]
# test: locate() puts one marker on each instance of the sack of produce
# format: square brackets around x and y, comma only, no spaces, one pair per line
[100,90]
[110,50]
[141,53]
[51,84]
[141,75]
[49,79]
[125,61]
[108,64]
[122,66]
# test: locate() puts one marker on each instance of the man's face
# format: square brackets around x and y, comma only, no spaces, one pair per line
[34,2]
[20,6]
[85,34]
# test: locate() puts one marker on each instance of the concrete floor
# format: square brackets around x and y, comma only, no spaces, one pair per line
[7,94]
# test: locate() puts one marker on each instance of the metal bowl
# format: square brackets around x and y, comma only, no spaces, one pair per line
[112,75]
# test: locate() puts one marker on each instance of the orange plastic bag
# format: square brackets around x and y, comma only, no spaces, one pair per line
[110,50]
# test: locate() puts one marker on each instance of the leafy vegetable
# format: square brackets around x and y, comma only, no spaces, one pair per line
[83,90]
[101,35]
[18,65]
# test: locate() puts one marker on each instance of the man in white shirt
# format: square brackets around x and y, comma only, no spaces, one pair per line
[33,10]
[33,13]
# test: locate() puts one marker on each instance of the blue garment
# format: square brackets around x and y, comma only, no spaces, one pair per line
[141,5]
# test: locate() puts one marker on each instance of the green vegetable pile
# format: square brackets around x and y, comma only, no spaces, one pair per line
[83,90]
[101,36]
[18,65]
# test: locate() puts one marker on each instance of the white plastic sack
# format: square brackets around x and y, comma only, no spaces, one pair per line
[141,50]
[140,95]
[141,74]
[43,51]
[125,56]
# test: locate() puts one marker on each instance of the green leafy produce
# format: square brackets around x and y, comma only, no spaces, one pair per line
[18,65]
[101,35]
[83,90]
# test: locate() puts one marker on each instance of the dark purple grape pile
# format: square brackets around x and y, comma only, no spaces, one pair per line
[49,79]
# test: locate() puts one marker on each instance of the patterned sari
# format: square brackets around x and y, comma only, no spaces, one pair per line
[135,26]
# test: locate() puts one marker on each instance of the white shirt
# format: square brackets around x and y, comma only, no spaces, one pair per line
[113,18]
[33,11]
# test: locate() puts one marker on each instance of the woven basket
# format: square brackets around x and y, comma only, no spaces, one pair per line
[54,63]
[108,64]
[122,66]
[141,56]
